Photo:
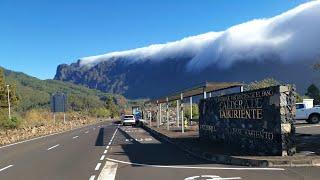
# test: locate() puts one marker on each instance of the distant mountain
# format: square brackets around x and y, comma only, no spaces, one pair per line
[35,93]
[283,47]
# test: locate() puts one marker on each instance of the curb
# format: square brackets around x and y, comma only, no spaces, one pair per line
[230,160]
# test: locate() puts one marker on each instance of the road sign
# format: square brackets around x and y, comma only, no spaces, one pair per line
[59,102]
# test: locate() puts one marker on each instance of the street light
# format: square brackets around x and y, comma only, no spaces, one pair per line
[9,104]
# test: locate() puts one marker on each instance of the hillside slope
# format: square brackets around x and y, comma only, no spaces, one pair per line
[35,93]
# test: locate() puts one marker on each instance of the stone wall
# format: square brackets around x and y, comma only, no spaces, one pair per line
[258,122]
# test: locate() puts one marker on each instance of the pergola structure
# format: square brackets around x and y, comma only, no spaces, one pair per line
[205,89]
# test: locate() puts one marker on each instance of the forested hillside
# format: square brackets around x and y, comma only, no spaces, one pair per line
[34,93]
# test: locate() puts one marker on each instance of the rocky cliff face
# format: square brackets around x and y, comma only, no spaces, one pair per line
[147,79]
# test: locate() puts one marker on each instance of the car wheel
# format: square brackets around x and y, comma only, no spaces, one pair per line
[314,119]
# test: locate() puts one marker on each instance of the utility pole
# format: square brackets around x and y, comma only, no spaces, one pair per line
[9,104]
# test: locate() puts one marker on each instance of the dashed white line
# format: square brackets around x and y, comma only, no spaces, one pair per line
[97,167]
[107,147]
[102,157]
[75,137]
[6,167]
[53,147]
[86,132]
[92,177]
[195,167]
[105,151]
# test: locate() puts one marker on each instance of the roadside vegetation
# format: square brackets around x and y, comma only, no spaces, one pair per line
[30,101]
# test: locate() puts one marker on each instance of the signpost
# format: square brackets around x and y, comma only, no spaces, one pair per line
[59,104]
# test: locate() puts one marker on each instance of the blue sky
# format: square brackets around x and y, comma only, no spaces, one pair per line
[38,35]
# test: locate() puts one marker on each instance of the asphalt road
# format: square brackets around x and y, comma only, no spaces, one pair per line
[117,152]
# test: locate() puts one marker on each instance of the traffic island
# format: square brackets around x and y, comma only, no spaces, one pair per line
[224,154]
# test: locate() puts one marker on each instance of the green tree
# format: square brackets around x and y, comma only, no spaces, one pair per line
[5,122]
[314,92]
[112,107]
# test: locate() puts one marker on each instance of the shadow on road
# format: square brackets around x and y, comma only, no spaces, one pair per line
[154,153]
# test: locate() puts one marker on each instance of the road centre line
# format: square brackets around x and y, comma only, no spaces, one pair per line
[53,147]
[75,137]
[105,151]
[102,157]
[306,126]
[86,132]
[92,177]
[6,167]
[107,147]
[196,167]
[97,167]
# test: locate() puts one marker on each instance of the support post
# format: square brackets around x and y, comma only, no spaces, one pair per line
[160,115]
[64,118]
[178,113]
[210,95]
[204,94]
[54,118]
[182,113]
[9,103]
[167,114]
[190,107]
[150,116]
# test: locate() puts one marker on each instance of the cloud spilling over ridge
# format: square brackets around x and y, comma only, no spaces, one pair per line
[290,36]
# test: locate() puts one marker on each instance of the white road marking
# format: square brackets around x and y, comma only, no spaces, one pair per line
[53,147]
[139,140]
[195,167]
[97,167]
[306,126]
[102,157]
[105,151]
[109,171]
[86,132]
[212,177]
[107,147]
[92,177]
[75,137]
[40,137]
[6,167]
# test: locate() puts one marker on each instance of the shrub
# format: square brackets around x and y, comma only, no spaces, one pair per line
[12,123]
[100,112]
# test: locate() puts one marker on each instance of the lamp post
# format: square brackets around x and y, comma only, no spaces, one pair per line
[9,104]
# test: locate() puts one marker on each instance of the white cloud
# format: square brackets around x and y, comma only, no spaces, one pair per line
[293,35]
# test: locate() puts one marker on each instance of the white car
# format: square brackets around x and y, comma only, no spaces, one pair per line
[128,120]
[306,111]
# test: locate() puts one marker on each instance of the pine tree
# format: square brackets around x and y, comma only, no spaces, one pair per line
[111,106]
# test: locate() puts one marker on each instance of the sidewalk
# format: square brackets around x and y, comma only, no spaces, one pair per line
[308,149]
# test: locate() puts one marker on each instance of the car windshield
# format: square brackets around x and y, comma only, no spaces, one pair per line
[129,116]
